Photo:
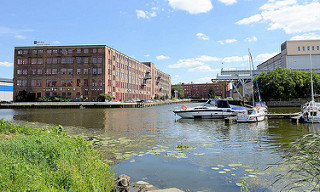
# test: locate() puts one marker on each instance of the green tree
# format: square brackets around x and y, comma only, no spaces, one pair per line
[103,97]
[180,91]
[287,84]
[212,92]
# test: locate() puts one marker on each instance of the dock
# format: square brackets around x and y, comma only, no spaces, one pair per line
[295,117]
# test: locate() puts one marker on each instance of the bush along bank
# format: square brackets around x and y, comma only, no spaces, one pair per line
[49,160]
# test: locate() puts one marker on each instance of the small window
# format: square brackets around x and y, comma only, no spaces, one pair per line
[298,48]
[308,48]
[303,48]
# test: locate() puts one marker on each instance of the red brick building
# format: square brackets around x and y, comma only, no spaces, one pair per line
[200,90]
[82,72]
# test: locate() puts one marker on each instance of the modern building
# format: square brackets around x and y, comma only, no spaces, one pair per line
[295,54]
[200,90]
[6,90]
[82,72]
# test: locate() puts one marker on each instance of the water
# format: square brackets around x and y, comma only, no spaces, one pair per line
[142,143]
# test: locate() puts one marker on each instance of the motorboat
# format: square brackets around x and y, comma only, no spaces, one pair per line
[256,114]
[212,109]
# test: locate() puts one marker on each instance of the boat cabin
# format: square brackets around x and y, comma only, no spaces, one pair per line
[220,103]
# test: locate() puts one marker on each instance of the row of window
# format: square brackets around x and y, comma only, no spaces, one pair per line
[64,83]
[56,51]
[55,71]
[303,48]
[63,60]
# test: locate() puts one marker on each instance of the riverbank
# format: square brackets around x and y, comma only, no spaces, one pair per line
[81,105]
[49,160]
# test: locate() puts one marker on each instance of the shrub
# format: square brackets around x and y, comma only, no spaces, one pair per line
[49,160]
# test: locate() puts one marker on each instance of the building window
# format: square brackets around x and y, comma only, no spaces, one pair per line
[40,51]
[54,60]
[33,83]
[86,51]
[70,51]
[78,82]
[94,50]
[94,83]
[20,52]
[99,60]
[64,51]
[69,83]
[39,72]
[39,83]
[99,70]
[48,83]
[318,48]
[33,61]
[54,71]
[86,59]
[85,82]
[85,71]
[34,51]
[312,48]
[48,71]
[19,61]
[49,51]
[55,51]
[49,60]
[298,48]
[94,70]
[94,60]
[54,83]
[99,50]
[78,59]
[69,71]
[40,61]
[78,71]
[63,71]
[70,60]
[34,71]
[78,50]
[99,82]
[303,48]
[63,60]
[19,71]
[24,71]
[308,48]
[25,61]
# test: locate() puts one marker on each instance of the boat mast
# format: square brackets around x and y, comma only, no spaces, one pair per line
[250,59]
[255,78]
[312,96]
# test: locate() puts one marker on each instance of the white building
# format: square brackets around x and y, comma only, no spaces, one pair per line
[6,89]
[295,55]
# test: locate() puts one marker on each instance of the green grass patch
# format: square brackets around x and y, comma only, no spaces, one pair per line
[49,160]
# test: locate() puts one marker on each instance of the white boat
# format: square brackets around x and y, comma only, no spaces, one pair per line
[258,112]
[212,109]
[311,112]
[311,109]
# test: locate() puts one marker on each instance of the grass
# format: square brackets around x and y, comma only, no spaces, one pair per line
[49,160]
[303,159]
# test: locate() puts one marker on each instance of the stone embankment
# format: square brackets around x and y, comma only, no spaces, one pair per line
[82,105]
[123,185]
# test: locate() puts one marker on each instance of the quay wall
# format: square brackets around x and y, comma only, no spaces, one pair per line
[285,103]
[22,105]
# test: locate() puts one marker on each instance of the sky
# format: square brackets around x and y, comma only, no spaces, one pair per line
[191,40]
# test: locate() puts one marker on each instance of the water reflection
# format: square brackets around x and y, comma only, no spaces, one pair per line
[143,144]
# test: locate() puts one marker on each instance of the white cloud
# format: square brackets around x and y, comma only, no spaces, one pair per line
[147,55]
[206,58]
[204,80]
[145,14]
[16,33]
[228,2]
[251,39]
[232,59]
[203,68]
[192,6]
[6,64]
[227,41]
[56,42]
[252,19]
[231,40]
[162,57]
[202,36]
[265,56]
[306,36]
[288,15]
[20,37]
[185,63]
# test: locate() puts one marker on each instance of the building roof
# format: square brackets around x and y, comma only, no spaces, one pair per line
[6,80]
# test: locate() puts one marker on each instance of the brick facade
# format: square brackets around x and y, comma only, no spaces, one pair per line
[85,71]
[200,90]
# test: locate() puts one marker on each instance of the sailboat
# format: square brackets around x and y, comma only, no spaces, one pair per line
[311,109]
[258,111]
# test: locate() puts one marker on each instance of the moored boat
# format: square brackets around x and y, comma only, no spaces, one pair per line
[256,114]
[212,109]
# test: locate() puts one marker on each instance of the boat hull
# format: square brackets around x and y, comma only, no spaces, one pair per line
[204,114]
[250,118]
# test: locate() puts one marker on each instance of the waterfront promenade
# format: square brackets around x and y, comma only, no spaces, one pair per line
[21,105]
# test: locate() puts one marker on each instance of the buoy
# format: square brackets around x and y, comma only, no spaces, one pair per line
[183,107]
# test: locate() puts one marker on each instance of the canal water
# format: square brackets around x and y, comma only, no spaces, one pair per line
[142,143]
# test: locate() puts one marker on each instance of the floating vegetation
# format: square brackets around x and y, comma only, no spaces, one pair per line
[235,165]
[199,154]
[215,168]
[182,146]
[222,172]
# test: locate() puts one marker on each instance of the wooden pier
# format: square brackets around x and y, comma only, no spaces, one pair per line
[295,117]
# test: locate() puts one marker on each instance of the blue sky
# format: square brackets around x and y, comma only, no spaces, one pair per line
[189,39]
